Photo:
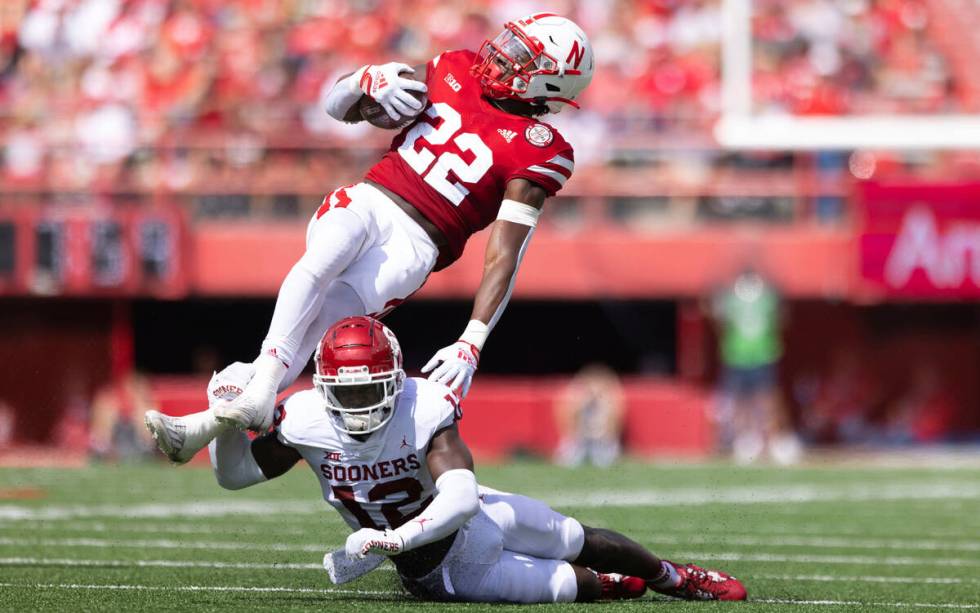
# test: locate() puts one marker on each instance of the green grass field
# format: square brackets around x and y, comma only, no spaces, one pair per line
[155,537]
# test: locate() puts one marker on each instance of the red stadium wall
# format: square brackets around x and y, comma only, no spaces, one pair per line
[236,259]
[53,354]
[502,416]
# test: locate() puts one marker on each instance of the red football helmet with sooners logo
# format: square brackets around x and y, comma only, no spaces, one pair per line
[359,374]
[542,59]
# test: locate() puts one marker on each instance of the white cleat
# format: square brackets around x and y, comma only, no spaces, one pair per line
[246,412]
[169,434]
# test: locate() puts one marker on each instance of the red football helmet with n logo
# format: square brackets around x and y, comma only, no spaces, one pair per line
[359,374]
[543,59]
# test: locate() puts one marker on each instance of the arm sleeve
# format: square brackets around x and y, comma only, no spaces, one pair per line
[231,457]
[343,95]
[455,503]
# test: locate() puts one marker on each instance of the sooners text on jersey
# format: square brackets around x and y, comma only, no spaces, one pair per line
[383,481]
[453,163]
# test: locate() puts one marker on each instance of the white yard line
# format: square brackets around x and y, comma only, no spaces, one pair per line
[851,603]
[199,588]
[171,527]
[242,588]
[922,540]
[724,540]
[825,559]
[326,546]
[783,494]
[157,564]
[212,508]
[70,562]
[868,579]
[165,544]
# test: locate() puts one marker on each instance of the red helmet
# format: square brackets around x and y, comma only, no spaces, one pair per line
[359,373]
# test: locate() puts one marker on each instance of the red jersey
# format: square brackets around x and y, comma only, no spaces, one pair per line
[454,161]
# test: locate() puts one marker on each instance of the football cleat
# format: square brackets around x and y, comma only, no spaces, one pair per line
[621,587]
[702,584]
[169,434]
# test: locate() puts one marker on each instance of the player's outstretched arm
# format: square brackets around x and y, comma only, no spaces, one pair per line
[456,501]
[239,463]
[382,83]
[511,234]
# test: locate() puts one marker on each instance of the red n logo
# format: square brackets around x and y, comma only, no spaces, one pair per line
[577,54]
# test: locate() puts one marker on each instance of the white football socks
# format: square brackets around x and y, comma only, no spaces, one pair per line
[199,429]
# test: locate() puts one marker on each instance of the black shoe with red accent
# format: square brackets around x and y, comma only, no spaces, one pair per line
[703,584]
[621,587]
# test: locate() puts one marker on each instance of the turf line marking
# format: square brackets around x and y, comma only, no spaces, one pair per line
[243,588]
[69,562]
[785,494]
[145,528]
[826,559]
[867,579]
[201,588]
[850,603]
[157,564]
[164,544]
[325,546]
[815,541]
[810,531]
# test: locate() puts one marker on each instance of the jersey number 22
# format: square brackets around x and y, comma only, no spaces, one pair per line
[437,175]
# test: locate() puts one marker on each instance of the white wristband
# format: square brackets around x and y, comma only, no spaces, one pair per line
[476,333]
[518,212]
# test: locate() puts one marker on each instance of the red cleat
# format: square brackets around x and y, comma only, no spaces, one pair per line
[703,584]
[621,587]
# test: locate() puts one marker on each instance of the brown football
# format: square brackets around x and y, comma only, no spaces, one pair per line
[374,113]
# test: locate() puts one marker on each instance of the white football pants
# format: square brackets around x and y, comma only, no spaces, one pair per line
[516,549]
[363,255]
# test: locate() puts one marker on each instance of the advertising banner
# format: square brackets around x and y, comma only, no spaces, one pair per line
[920,241]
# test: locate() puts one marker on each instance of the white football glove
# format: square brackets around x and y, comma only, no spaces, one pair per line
[229,384]
[454,366]
[384,85]
[367,541]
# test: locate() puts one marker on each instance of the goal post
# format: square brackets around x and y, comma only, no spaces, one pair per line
[740,127]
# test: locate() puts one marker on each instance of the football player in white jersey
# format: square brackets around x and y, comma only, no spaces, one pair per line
[389,458]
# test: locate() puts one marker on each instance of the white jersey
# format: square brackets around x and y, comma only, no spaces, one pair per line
[384,481]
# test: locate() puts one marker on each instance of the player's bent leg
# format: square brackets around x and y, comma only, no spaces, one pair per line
[335,242]
[608,551]
[339,301]
[530,526]
[611,552]
[520,578]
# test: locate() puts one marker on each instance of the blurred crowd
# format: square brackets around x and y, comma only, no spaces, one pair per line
[146,95]
[819,57]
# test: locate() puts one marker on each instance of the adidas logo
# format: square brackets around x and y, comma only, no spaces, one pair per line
[507,134]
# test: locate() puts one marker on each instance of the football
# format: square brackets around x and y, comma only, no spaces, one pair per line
[374,113]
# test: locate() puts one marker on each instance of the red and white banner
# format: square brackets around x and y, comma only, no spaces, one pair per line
[921,240]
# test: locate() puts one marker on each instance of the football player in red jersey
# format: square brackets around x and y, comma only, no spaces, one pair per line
[476,154]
